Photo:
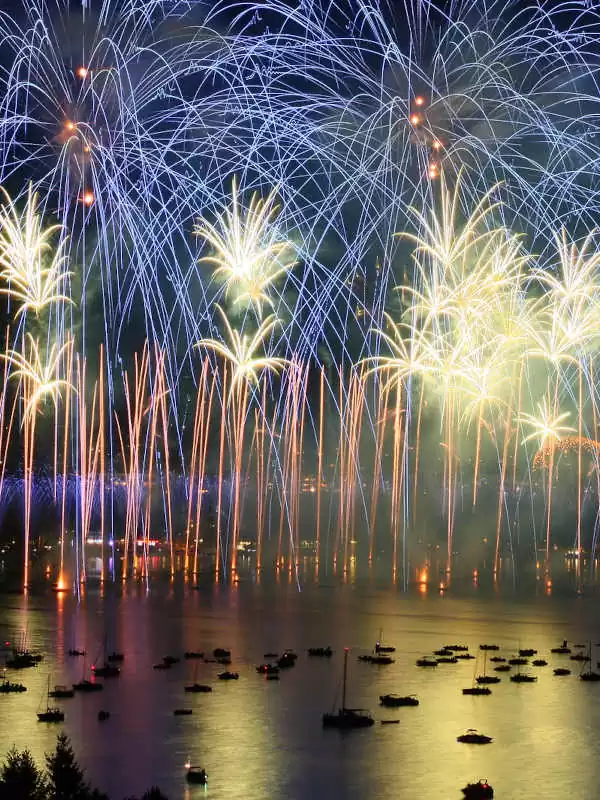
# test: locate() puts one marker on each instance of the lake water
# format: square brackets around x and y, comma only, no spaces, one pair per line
[260,739]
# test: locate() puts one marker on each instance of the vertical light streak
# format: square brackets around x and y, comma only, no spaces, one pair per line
[320,460]
[221,459]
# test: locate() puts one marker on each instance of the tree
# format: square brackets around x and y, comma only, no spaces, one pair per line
[65,776]
[20,779]
[154,793]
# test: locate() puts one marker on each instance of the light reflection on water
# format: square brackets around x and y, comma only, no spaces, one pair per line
[260,739]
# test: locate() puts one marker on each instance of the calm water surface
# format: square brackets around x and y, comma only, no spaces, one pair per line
[260,739]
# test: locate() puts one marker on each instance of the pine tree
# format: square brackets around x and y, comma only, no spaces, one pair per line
[20,779]
[65,776]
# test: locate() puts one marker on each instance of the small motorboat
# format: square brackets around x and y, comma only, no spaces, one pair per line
[457,648]
[443,652]
[489,647]
[395,701]
[221,652]
[116,656]
[286,660]
[464,656]
[268,669]
[197,688]
[426,662]
[171,660]
[478,791]
[576,657]
[196,775]
[103,716]
[377,658]
[182,712]
[161,666]
[320,652]
[62,691]
[228,676]
[477,690]
[481,679]
[75,652]
[589,676]
[106,671]
[539,662]
[23,659]
[523,677]
[564,649]
[527,653]
[88,686]
[579,646]
[471,736]
[447,660]
[190,654]
[562,671]
[503,668]
[498,660]
[390,721]
[518,662]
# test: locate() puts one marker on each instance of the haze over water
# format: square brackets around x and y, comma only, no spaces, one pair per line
[260,739]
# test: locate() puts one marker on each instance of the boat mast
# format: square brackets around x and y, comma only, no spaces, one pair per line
[345,677]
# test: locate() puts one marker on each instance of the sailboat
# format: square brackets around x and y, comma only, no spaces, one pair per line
[51,714]
[483,679]
[476,689]
[380,647]
[347,718]
[588,675]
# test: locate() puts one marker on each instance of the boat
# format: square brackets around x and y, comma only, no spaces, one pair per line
[52,713]
[228,676]
[347,718]
[190,654]
[539,662]
[527,653]
[116,656]
[471,736]
[477,690]
[62,691]
[161,665]
[484,678]
[287,660]
[6,687]
[220,652]
[564,649]
[270,655]
[106,670]
[518,662]
[88,687]
[24,659]
[426,661]
[562,671]
[489,647]
[580,657]
[498,660]
[196,775]
[170,660]
[377,658]
[380,647]
[320,652]
[523,677]
[443,652]
[197,688]
[503,668]
[457,648]
[478,791]
[588,675]
[464,656]
[74,651]
[390,721]
[447,660]
[395,701]
[268,669]
[103,716]
[182,712]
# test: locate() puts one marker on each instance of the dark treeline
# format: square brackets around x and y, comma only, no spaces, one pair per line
[61,779]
